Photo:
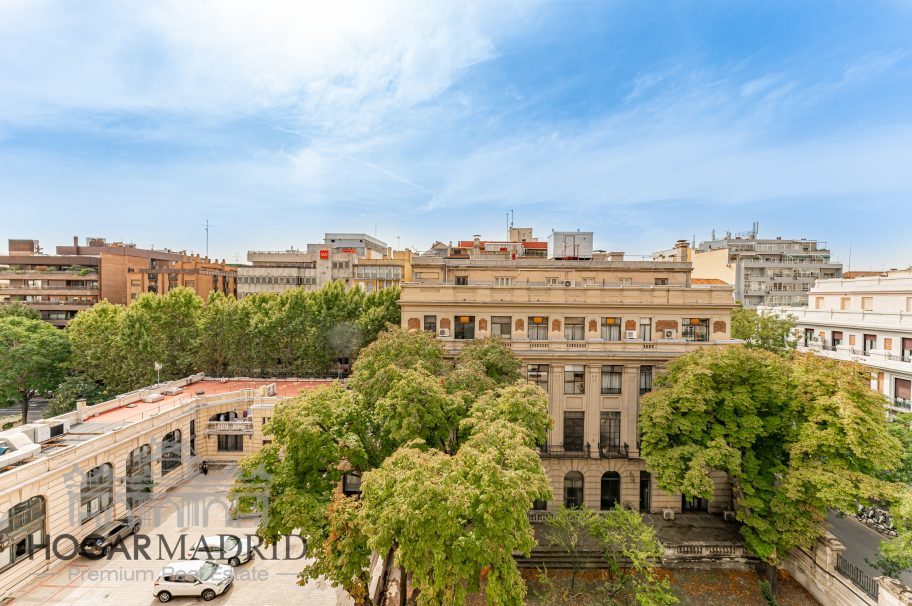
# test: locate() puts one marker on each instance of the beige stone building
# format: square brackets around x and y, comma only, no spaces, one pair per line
[63,477]
[592,333]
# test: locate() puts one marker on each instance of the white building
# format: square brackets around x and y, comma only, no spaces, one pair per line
[867,320]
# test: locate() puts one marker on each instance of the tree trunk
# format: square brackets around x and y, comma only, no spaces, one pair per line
[772,577]
[25,409]
[403,586]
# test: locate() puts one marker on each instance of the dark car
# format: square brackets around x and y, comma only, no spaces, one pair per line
[101,542]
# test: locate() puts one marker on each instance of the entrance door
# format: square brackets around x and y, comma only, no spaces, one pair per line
[645,491]
[692,504]
[611,489]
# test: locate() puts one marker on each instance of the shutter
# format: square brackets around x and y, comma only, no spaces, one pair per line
[903,388]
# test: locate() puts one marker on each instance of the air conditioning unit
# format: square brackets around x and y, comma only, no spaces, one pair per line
[568,283]
[631,334]
[668,514]
[670,333]
[443,332]
[729,516]
[153,397]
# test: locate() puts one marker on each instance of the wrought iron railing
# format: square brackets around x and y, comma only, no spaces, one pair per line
[614,451]
[859,578]
[559,450]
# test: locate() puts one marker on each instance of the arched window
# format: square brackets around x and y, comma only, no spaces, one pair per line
[611,489]
[24,524]
[139,476]
[573,489]
[171,451]
[97,492]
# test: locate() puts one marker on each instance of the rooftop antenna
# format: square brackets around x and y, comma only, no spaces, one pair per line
[206,228]
[849,268]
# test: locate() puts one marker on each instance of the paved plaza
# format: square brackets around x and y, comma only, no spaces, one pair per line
[195,508]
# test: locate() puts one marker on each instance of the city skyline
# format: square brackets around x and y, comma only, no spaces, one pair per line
[416,123]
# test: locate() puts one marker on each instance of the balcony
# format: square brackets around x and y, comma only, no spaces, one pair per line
[614,451]
[558,451]
[670,346]
[230,428]
[902,403]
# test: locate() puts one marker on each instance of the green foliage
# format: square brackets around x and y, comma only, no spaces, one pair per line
[449,509]
[630,548]
[796,435]
[766,591]
[19,310]
[498,361]
[900,427]
[763,330]
[74,387]
[32,355]
[295,333]
[895,556]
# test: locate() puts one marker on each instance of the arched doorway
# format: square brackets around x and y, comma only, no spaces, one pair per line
[611,489]
[573,489]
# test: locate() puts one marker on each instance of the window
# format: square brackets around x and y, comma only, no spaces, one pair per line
[902,391]
[695,329]
[504,281]
[611,379]
[574,422]
[171,451]
[265,420]
[430,324]
[573,489]
[97,492]
[646,329]
[192,438]
[588,281]
[538,328]
[611,329]
[837,338]
[351,484]
[552,281]
[906,349]
[574,379]
[24,525]
[230,443]
[500,326]
[818,302]
[610,432]
[845,303]
[462,280]
[465,327]
[139,476]
[574,329]
[870,342]
[661,281]
[867,303]
[625,281]
[538,374]
[645,379]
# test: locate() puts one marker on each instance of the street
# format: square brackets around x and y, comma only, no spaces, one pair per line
[860,542]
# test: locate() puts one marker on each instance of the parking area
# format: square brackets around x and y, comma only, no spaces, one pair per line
[196,508]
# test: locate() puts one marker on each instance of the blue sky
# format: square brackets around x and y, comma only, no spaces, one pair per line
[645,122]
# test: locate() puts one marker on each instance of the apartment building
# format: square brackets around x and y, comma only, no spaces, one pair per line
[764,271]
[68,475]
[867,320]
[593,333]
[354,259]
[76,277]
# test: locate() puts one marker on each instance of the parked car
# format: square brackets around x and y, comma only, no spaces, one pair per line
[228,548]
[102,541]
[195,578]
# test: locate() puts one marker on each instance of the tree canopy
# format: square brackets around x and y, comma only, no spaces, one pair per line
[18,309]
[796,435]
[767,331]
[294,333]
[32,353]
[446,478]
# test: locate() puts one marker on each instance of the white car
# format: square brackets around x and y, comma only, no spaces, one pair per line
[228,548]
[197,578]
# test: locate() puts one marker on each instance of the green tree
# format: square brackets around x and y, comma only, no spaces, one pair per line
[796,435]
[73,387]
[19,310]
[900,427]
[763,330]
[499,363]
[397,427]
[630,549]
[96,335]
[32,357]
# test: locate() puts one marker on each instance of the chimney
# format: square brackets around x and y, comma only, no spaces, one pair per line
[80,410]
[75,240]
[683,251]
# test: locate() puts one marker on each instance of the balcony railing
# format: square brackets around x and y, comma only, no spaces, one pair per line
[230,427]
[902,358]
[557,451]
[858,577]
[904,403]
[614,451]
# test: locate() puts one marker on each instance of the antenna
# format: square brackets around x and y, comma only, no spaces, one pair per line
[206,228]
[849,268]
